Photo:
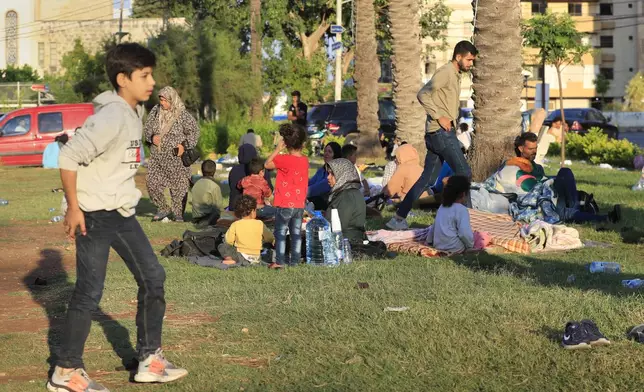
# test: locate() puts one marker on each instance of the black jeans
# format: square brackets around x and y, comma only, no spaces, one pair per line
[568,200]
[291,219]
[105,230]
[442,146]
[227,250]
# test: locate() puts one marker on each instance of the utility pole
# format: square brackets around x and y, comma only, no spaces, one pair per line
[120,34]
[338,53]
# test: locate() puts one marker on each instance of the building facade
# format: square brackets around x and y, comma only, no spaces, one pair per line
[40,32]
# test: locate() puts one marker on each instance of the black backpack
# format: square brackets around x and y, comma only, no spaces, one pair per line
[196,243]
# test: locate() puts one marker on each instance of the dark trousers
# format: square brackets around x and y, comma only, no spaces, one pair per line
[442,146]
[568,200]
[227,250]
[105,230]
[291,219]
[207,220]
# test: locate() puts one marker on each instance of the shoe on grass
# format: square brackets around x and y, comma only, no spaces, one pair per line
[155,368]
[575,337]
[397,224]
[596,338]
[75,381]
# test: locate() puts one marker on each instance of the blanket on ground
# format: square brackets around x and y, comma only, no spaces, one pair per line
[502,230]
[544,237]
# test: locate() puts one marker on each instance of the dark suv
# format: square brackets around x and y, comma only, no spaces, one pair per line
[339,118]
[581,120]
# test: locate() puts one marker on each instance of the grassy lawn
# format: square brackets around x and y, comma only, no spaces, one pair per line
[475,323]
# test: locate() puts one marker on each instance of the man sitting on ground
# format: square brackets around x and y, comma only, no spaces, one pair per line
[521,175]
[207,201]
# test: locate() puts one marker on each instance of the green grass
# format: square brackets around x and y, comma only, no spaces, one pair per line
[475,323]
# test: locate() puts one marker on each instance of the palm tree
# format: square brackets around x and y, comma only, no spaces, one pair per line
[405,31]
[256,109]
[497,84]
[367,73]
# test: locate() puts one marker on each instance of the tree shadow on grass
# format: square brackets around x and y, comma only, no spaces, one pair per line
[51,288]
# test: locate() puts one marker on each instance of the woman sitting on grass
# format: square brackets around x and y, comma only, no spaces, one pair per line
[452,230]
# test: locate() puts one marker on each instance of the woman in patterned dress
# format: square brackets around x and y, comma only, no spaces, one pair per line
[169,125]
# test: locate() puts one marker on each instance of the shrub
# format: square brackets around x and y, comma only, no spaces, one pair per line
[222,137]
[331,138]
[596,148]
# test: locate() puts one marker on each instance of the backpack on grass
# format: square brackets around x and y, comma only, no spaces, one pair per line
[196,243]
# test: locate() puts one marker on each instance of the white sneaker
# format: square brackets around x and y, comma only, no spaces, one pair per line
[75,381]
[397,224]
[639,186]
[156,368]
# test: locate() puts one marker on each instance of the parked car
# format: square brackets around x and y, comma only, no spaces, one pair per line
[581,120]
[24,133]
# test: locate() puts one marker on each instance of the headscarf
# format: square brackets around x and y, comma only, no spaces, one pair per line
[167,118]
[346,176]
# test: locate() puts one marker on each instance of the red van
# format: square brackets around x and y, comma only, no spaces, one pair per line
[24,133]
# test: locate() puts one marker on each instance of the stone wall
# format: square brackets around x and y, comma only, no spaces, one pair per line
[74,9]
[58,37]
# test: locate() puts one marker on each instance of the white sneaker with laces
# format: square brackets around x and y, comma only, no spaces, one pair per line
[397,224]
[639,186]
[74,381]
[155,368]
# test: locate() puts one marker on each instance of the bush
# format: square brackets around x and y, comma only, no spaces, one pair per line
[596,148]
[222,137]
[338,139]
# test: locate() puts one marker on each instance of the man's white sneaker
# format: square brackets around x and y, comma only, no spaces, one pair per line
[155,368]
[397,224]
[75,381]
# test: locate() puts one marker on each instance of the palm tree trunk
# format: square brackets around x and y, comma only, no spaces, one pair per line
[367,73]
[563,118]
[256,109]
[405,31]
[497,84]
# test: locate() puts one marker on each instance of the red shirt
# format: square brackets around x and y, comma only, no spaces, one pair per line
[256,187]
[292,181]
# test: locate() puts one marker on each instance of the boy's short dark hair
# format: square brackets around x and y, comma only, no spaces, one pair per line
[455,188]
[296,94]
[127,58]
[294,136]
[520,140]
[348,150]
[208,168]
[244,206]
[463,48]
[256,165]
[250,130]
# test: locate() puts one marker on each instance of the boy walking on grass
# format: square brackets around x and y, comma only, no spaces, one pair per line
[97,168]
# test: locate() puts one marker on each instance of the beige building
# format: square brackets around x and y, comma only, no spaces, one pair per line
[40,32]
[615,28]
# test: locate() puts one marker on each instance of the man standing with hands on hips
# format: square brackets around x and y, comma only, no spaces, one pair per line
[440,98]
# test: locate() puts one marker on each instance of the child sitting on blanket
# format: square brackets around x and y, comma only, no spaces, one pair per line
[245,237]
[452,230]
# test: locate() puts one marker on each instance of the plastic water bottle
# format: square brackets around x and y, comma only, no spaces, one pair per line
[606,267]
[57,219]
[336,234]
[319,244]
[633,283]
[4,202]
[346,251]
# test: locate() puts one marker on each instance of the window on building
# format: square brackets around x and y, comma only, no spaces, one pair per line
[605,9]
[11,37]
[630,37]
[630,5]
[630,70]
[606,41]
[539,7]
[574,9]
[607,73]
[41,54]
[53,56]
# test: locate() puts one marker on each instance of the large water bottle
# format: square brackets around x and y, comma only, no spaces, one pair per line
[607,267]
[319,244]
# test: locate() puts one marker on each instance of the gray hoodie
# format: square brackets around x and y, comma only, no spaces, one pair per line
[106,154]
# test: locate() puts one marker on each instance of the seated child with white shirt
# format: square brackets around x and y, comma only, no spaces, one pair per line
[452,229]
